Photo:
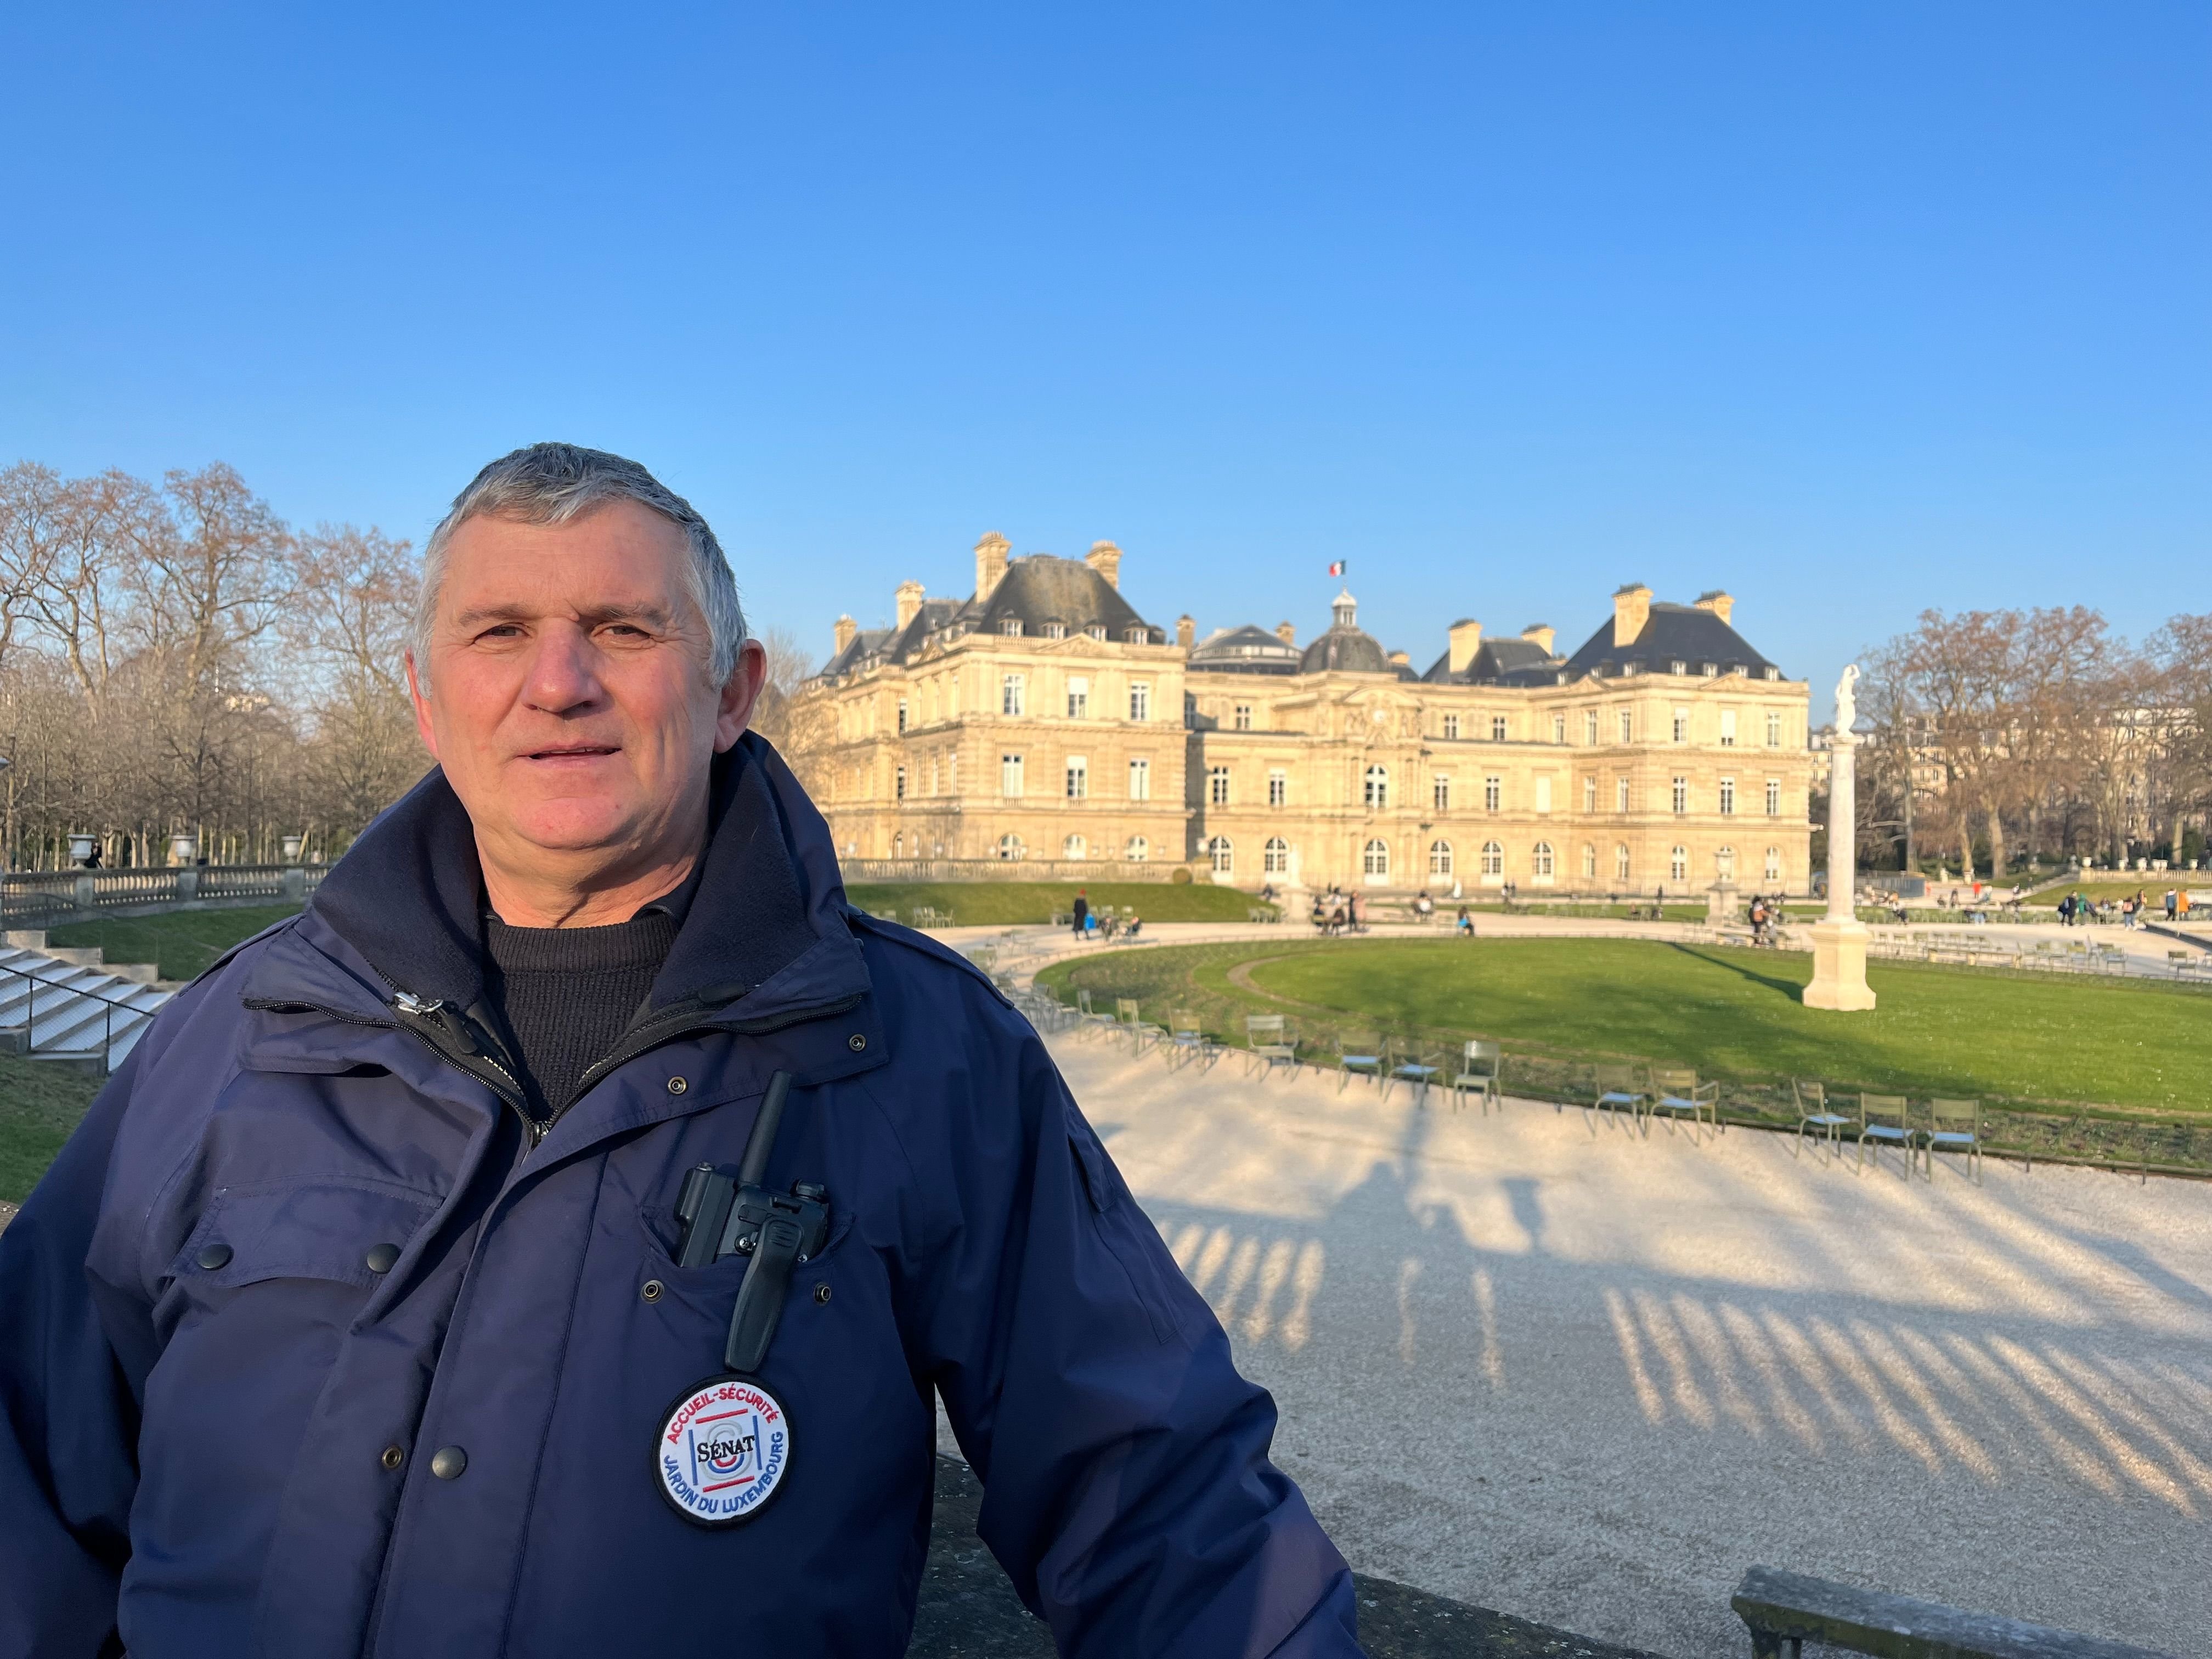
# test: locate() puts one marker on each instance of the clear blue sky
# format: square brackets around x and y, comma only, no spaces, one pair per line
[1850,309]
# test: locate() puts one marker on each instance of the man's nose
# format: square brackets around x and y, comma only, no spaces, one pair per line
[563,671]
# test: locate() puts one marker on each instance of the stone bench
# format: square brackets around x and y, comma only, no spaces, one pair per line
[1786,1608]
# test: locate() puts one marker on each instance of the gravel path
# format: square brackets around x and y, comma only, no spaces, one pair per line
[1588,1378]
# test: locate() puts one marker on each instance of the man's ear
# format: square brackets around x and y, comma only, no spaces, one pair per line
[422,702]
[740,696]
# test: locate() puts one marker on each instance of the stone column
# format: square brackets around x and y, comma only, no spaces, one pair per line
[1840,938]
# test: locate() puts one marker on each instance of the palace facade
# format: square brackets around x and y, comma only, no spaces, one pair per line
[1041,719]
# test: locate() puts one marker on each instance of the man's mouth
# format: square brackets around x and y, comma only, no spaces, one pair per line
[572,751]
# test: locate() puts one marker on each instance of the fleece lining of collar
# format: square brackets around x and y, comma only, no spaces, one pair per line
[406,895]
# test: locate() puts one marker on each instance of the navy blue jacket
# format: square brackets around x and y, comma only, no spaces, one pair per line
[217,1418]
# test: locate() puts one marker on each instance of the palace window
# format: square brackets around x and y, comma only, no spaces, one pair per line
[1010,775]
[1590,862]
[1096,630]
[1497,728]
[1589,727]
[1681,725]
[1544,793]
[1728,797]
[1493,858]
[1374,858]
[1440,792]
[1493,793]
[1558,728]
[1620,860]
[1774,864]
[1011,691]
[1055,631]
[898,784]
[1773,725]
[1677,863]
[1140,700]
[1136,636]
[1440,858]
[1379,787]
[1010,847]
[1078,777]
[1079,697]
[1620,791]
[1681,794]
[1774,798]
[1678,668]
[1074,848]
[1451,725]
[1217,786]
[1011,627]
[1223,854]
[1140,780]
[1724,863]
[901,714]
[1728,728]
[1279,787]
[1628,725]
[1276,857]
[1540,862]
[1138,850]
[1589,794]
[1244,717]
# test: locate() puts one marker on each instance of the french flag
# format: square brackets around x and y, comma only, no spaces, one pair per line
[1337,569]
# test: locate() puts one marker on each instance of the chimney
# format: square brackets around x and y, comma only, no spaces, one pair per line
[1631,609]
[909,602]
[1287,633]
[1538,635]
[990,564]
[1105,558]
[843,633]
[1719,602]
[1465,640]
[1399,659]
[1186,632]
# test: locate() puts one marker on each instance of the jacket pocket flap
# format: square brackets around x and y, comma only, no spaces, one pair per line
[332,1228]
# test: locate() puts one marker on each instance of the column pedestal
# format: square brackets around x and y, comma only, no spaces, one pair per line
[1839,966]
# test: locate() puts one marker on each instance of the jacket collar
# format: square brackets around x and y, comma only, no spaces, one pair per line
[765,931]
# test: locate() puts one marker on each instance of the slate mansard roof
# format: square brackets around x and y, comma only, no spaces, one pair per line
[1498,662]
[1246,650]
[1040,593]
[1688,634]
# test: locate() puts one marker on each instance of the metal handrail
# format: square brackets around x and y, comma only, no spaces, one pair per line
[31,1013]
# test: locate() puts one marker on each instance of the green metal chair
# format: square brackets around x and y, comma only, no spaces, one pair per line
[1887,1120]
[1955,1126]
[1131,1020]
[1269,1041]
[1358,1054]
[1678,1093]
[1482,1069]
[1415,1063]
[1616,1091]
[1815,1113]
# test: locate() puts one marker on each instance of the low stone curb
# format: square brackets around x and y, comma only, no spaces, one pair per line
[969,1611]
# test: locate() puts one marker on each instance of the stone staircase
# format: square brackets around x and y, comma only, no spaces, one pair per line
[68,1007]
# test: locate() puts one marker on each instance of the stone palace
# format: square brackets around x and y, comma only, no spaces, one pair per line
[1042,722]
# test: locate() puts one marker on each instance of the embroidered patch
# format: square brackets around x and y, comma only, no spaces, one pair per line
[723,1450]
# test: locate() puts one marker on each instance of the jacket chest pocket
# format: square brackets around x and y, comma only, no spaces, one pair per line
[341,1229]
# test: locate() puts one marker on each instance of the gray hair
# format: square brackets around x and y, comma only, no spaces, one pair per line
[554,483]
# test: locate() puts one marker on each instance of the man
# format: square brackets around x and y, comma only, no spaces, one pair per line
[384,1304]
[1081,911]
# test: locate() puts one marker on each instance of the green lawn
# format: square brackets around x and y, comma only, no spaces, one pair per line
[1010,903]
[1732,1014]
[2152,887]
[182,943]
[40,1104]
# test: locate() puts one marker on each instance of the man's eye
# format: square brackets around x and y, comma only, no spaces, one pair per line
[502,631]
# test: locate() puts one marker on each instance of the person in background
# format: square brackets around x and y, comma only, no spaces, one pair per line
[1465,925]
[1081,911]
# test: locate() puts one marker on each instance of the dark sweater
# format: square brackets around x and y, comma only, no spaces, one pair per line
[568,994]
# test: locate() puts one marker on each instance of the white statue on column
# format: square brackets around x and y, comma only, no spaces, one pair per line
[1840,938]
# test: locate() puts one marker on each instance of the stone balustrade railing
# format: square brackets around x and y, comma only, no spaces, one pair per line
[39,898]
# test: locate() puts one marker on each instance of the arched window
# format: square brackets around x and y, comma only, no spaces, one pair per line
[1276,857]
[1440,858]
[1774,864]
[1493,858]
[1542,863]
[1724,863]
[1379,787]
[1376,860]
[1620,860]
[898,846]
[1010,847]
[1223,854]
[1677,863]
[1590,862]
[1138,850]
[1074,848]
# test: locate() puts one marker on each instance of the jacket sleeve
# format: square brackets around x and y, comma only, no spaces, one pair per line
[68,1414]
[1128,1490]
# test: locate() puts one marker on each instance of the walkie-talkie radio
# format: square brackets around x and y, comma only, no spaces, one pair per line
[718,1217]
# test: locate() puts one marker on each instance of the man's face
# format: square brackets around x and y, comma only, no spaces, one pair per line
[567,696]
